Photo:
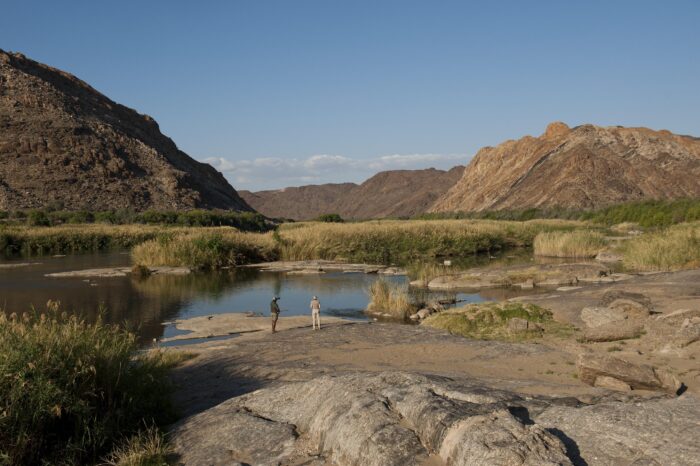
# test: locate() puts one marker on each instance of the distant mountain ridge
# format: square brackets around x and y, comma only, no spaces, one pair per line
[61,141]
[393,193]
[585,167]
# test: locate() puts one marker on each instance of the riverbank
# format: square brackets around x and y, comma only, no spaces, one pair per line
[527,388]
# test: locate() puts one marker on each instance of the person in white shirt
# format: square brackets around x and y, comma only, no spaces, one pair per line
[316,313]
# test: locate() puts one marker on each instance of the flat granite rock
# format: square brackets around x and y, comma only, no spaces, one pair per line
[657,432]
[369,419]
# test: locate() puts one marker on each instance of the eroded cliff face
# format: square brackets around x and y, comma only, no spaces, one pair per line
[578,168]
[63,142]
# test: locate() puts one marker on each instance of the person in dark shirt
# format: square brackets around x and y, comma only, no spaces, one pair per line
[274,312]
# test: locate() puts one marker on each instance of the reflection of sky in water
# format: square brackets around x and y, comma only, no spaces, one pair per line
[338,293]
[147,303]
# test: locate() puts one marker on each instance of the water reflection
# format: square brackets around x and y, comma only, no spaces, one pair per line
[146,304]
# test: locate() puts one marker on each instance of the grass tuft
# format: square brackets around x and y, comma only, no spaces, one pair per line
[392,299]
[146,448]
[578,243]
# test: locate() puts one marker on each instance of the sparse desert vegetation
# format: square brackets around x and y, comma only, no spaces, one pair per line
[578,243]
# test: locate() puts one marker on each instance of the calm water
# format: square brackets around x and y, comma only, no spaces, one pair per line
[150,303]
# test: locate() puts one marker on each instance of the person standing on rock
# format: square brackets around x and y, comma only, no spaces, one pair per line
[274,312]
[316,313]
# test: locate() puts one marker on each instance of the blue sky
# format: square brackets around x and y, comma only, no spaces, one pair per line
[282,93]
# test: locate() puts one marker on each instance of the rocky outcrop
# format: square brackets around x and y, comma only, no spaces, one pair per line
[653,433]
[592,366]
[525,276]
[578,168]
[400,418]
[394,193]
[65,144]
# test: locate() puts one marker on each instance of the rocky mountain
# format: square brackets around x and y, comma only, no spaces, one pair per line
[578,168]
[63,142]
[298,203]
[394,193]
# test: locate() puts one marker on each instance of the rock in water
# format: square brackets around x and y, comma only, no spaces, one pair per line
[65,143]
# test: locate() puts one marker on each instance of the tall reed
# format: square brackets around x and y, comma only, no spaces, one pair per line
[206,249]
[392,299]
[676,248]
[70,390]
[578,243]
[395,241]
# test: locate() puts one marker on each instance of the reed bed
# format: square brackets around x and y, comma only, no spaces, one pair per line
[206,249]
[70,391]
[397,241]
[578,243]
[675,248]
[77,238]
[391,299]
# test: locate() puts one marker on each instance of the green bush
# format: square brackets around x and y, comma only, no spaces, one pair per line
[330,218]
[38,218]
[69,390]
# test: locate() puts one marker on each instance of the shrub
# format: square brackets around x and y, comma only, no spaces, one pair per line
[69,390]
[38,218]
[330,218]
[578,243]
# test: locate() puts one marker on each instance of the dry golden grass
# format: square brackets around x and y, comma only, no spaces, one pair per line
[675,248]
[388,241]
[147,448]
[206,249]
[578,243]
[392,299]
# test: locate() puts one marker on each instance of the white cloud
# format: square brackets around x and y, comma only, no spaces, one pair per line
[275,173]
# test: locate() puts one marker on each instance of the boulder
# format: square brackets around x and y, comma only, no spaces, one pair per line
[676,318]
[597,316]
[607,256]
[660,432]
[632,309]
[527,284]
[638,377]
[423,313]
[613,295]
[611,383]
[614,331]
[499,438]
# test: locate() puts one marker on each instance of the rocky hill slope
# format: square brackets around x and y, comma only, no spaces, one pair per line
[394,193]
[578,168]
[62,142]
